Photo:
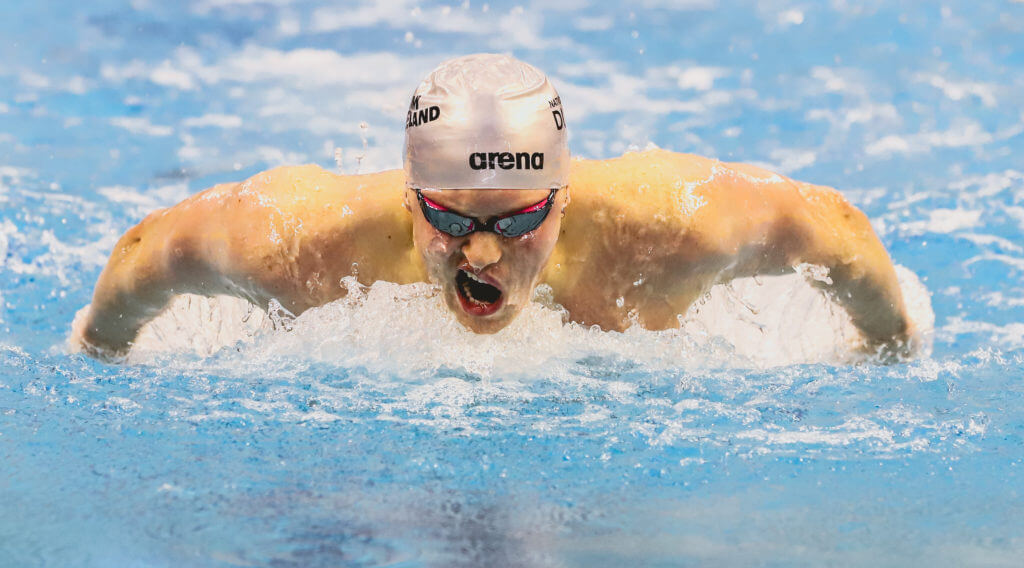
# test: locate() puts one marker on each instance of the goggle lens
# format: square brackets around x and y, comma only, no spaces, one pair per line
[515,225]
[519,225]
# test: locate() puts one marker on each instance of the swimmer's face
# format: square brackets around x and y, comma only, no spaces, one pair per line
[486,279]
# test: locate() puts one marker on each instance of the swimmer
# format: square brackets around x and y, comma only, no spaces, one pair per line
[487,207]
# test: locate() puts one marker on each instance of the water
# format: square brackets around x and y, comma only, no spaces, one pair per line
[376,432]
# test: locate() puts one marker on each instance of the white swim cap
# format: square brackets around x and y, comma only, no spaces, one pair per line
[486,121]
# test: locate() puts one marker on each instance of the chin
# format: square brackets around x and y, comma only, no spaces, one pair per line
[485,326]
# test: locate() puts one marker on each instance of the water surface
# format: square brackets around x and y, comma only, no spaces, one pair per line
[379,433]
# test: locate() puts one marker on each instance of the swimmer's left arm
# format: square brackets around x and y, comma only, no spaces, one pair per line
[861,275]
[657,229]
[815,225]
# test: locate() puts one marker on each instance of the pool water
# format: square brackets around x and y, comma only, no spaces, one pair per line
[375,431]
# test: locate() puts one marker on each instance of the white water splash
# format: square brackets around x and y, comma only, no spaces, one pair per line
[405,330]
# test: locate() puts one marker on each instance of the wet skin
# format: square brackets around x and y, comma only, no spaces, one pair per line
[644,236]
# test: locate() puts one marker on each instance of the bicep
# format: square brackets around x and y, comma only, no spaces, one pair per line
[226,243]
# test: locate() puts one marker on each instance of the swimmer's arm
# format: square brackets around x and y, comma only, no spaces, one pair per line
[863,279]
[290,234]
[157,259]
[817,226]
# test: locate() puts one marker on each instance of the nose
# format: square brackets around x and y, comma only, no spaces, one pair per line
[482,250]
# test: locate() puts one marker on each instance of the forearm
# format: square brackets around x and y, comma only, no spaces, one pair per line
[116,314]
[133,287]
[861,277]
[871,296]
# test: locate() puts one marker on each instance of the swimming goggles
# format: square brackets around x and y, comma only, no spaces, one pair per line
[512,225]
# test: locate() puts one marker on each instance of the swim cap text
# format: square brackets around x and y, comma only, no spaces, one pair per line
[507,160]
[422,116]
[417,116]
[559,119]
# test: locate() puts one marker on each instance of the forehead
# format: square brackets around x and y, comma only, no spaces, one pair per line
[486,202]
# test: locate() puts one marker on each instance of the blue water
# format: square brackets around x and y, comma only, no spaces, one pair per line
[387,445]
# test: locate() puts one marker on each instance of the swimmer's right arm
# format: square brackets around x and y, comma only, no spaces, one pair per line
[290,234]
[234,239]
[162,256]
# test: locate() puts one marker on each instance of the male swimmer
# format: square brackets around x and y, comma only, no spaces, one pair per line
[483,210]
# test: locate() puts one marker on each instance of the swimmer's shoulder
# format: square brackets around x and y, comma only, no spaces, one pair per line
[304,190]
[659,178]
[655,166]
[649,185]
[292,220]
[669,193]
[284,207]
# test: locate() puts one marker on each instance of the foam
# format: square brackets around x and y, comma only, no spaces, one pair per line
[405,330]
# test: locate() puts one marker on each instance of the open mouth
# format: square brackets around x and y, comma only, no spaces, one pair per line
[477,297]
